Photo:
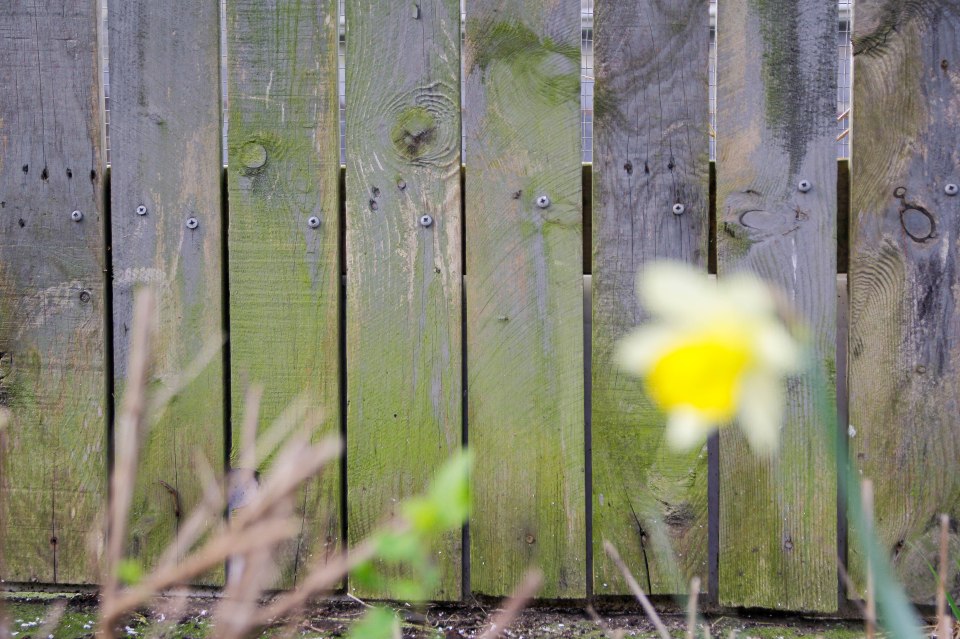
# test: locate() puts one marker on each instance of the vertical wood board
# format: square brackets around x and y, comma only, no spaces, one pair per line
[283,180]
[651,153]
[904,277]
[52,290]
[166,157]
[403,314]
[776,126]
[525,294]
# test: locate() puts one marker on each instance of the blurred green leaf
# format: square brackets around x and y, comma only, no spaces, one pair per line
[378,623]
[129,572]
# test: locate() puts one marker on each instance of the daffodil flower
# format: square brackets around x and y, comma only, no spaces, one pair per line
[713,353]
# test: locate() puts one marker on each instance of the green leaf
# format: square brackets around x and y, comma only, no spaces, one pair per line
[950,601]
[129,572]
[378,623]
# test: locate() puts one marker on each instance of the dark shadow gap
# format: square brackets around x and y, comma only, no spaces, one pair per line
[342,355]
[108,363]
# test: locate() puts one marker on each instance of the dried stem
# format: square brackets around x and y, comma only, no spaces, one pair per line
[943,620]
[527,590]
[636,590]
[870,620]
[692,608]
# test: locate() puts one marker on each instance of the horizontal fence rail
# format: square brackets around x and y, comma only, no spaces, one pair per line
[462,281]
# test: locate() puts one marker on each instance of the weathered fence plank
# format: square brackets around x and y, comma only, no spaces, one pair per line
[283,180]
[776,127]
[403,242]
[52,374]
[650,155]
[525,294]
[904,315]
[165,157]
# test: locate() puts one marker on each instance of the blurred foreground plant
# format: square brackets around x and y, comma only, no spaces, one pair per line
[250,538]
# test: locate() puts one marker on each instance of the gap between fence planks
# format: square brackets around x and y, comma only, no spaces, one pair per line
[284,234]
[651,154]
[403,258]
[166,157]
[904,393]
[525,294]
[52,293]
[776,126]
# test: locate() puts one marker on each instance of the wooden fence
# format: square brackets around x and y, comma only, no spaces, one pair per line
[426,305]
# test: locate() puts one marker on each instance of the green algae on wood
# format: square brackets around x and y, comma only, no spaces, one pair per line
[778,518]
[165,152]
[649,155]
[524,294]
[283,170]
[904,314]
[52,293]
[403,298]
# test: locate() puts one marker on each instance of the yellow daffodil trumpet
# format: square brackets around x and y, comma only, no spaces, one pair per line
[713,353]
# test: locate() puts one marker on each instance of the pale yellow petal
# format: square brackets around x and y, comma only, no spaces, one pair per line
[637,352]
[687,429]
[761,412]
[675,292]
[749,294]
[776,348]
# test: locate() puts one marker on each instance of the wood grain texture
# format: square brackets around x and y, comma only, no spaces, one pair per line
[776,126]
[52,289]
[165,154]
[651,152]
[404,388]
[284,169]
[904,278]
[524,294]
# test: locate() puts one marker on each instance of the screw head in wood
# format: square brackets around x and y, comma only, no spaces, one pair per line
[192,223]
[313,222]
[543,201]
[951,189]
[426,220]
[804,186]
[678,209]
[84,296]
[141,210]
[76,216]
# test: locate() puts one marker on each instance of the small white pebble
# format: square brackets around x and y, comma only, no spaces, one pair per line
[203,613]
[49,636]
[130,631]
[14,634]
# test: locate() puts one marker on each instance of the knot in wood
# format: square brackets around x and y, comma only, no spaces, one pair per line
[253,155]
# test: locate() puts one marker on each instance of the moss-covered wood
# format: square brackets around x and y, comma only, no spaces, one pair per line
[904,278]
[165,156]
[52,293]
[283,180]
[525,294]
[650,154]
[776,126]
[403,259]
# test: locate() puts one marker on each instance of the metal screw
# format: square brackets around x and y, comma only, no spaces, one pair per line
[951,189]
[678,209]
[543,201]
[426,220]
[192,223]
[313,222]
[804,186]
[401,185]
[141,210]
[84,296]
[76,216]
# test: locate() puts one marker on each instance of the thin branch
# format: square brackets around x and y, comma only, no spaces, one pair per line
[527,590]
[636,590]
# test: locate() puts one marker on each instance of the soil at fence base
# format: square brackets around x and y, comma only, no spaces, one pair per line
[333,619]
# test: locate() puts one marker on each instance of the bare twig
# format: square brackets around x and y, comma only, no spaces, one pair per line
[636,590]
[692,608]
[943,620]
[870,620]
[528,588]
[607,630]
[128,426]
